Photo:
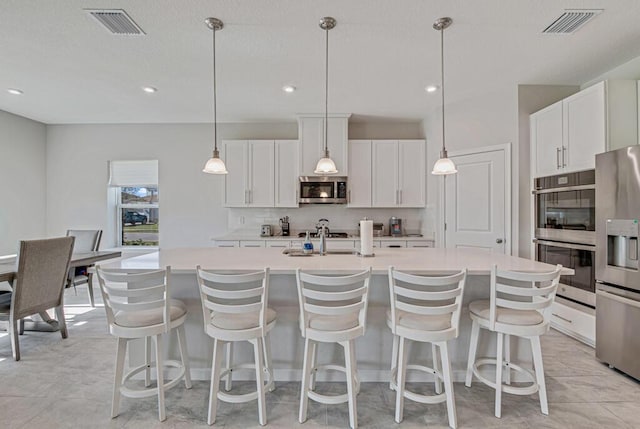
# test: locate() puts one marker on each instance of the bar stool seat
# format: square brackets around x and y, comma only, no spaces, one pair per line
[420,321]
[155,316]
[241,321]
[519,305]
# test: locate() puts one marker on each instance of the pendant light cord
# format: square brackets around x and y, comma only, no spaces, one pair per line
[444,150]
[215,91]
[326,94]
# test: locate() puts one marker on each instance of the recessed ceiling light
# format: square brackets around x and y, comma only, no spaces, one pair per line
[289,88]
[149,89]
[431,88]
[14,91]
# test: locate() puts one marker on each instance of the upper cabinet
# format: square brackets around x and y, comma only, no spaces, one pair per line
[311,130]
[386,173]
[262,173]
[566,136]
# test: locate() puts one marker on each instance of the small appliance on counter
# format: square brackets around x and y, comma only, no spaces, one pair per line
[378,229]
[266,231]
[395,227]
[284,225]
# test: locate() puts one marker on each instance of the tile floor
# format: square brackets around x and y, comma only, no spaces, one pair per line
[67,384]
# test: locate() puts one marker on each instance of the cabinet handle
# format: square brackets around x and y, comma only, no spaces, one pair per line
[558,157]
[249,196]
[562,318]
[400,192]
[564,162]
[349,196]
[396,196]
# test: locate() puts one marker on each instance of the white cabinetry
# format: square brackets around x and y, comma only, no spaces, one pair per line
[311,134]
[566,136]
[262,173]
[391,173]
[577,323]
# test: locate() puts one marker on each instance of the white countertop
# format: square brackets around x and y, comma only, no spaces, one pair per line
[419,260]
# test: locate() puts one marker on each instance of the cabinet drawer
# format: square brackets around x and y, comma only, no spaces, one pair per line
[573,322]
[252,243]
[393,243]
[418,243]
[278,243]
[227,243]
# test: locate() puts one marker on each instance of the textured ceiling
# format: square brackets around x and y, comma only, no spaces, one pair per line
[382,55]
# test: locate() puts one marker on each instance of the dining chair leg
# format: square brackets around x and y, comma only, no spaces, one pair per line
[436,367]
[216,363]
[351,369]
[473,349]
[90,289]
[507,358]
[499,352]
[147,361]
[160,377]
[448,384]
[117,380]
[306,380]
[21,327]
[402,373]
[394,363]
[537,363]
[259,362]
[15,345]
[268,362]
[182,343]
[228,379]
[62,322]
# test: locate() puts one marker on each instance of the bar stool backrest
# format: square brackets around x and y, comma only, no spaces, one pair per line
[426,295]
[127,293]
[234,294]
[334,296]
[519,290]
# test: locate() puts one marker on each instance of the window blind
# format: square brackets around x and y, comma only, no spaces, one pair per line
[133,173]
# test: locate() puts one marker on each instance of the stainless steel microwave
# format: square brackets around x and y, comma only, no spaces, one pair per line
[323,190]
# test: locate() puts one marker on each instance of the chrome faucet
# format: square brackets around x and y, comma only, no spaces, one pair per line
[323,241]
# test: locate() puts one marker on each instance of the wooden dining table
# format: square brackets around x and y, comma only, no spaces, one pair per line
[9,270]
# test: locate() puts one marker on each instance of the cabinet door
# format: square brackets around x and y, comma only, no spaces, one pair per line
[393,243]
[411,173]
[584,127]
[311,135]
[286,172]
[235,182]
[261,174]
[384,174]
[337,143]
[359,192]
[547,140]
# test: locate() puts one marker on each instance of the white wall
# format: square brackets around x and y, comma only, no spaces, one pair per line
[22,179]
[190,201]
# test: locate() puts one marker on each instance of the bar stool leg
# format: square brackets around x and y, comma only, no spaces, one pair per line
[314,363]
[216,363]
[499,351]
[394,362]
[160,377]
[228,367]
[306,376]
[269,364]
[117,381]
[436,367]
[448,384]
[356,380]
[147,361]
[537,362]
[351,369]
[402,368]
[259,361]
[182,343]
[507,358]
[473,349]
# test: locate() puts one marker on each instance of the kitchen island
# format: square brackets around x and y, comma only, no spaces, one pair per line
[374,349]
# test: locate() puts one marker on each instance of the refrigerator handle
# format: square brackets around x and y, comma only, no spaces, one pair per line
[618,298]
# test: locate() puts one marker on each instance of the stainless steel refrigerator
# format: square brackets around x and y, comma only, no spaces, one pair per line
[617,265]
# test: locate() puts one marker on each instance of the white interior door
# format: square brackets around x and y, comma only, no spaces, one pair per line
[477,201]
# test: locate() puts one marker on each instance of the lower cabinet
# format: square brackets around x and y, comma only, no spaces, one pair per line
[577,323]
[252,243]
[226,243]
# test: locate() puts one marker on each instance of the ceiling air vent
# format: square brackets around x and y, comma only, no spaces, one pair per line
[116,21]
[571,20]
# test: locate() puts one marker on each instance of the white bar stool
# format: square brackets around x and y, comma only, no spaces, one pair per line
[332,310]
[235,309]
[138,306]
[520,305]
[424,309]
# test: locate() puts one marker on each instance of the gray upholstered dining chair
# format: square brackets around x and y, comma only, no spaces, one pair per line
[38,286]
[87,240]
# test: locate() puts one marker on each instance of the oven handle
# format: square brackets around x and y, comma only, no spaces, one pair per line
[568,188]
[618,298]
[565,245]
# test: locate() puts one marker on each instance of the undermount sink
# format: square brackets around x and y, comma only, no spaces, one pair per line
[300,252]
[329,235]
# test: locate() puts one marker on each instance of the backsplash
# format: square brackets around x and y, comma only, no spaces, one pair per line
[247,221]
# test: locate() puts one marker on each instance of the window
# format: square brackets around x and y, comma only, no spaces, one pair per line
[137,204]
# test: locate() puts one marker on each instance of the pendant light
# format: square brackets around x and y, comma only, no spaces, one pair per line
[444,165]
[325,164]
[214,165]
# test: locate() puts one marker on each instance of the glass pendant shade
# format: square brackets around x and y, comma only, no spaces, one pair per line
[444,166]
[215,165]
[326,165]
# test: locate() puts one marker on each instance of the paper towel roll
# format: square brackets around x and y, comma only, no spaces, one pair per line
[366,237]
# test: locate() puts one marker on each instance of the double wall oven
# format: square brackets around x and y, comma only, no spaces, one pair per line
[565,224]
